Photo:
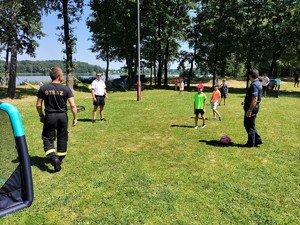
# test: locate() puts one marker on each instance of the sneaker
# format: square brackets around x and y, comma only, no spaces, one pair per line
[56,164]
[93,121]
[220,118]
[102,119]
[195,127]
[203,125]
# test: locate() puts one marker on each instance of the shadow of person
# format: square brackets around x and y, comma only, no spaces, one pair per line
[217,143]
[184,126]
[85,120]
[41,163]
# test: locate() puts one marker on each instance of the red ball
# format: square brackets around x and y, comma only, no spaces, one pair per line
[225,140]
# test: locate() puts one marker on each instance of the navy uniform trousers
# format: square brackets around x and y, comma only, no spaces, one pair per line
[249,124]
[55,123]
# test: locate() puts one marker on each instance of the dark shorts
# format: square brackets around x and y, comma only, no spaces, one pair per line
[264,88]
[223,95]
[100,100]
[199,111]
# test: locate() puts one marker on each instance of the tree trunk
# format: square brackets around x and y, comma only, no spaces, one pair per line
[248,74]
[214,74]
[223,67]
[191,70]
[151,70]
[107,69]
[129,64]
[248,62]
[6,66]
[159,71]
[11,90]
[69,45]
[155,75]
[166,59]
[272,71]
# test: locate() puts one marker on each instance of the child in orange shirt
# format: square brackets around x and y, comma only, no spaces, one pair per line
[215,101]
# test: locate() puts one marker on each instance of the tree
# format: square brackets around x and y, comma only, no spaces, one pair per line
[20,24]
[168,21]
[162,26]
[114,27]
[103,29]
[283,29]
[215,24]
[184,57]
[69,11]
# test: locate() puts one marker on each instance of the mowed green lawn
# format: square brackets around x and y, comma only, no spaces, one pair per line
[147,165]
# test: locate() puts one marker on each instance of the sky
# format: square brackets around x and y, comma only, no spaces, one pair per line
[50,48]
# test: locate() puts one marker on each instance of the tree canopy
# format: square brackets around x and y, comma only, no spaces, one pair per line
[43,67]
[225,37]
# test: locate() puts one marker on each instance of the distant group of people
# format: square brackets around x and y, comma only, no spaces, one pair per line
[267,85]
[251,106]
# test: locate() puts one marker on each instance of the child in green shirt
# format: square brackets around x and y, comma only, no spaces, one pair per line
[200,105]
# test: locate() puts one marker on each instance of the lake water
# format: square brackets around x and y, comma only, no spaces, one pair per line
[47,79]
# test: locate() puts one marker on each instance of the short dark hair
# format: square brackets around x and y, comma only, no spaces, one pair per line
[55,72]
[254,73]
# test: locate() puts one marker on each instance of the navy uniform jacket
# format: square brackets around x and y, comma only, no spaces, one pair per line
[254,90]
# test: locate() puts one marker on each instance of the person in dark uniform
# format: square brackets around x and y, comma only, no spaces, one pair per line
[251,108]
[296,77]
[55,97]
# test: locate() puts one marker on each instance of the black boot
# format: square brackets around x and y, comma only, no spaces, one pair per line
[56,163]
[61,158]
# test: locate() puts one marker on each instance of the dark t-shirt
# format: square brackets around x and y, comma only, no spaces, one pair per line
[253,91]
[55,97]
[224,88]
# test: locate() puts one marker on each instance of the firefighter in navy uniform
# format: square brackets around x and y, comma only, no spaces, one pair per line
[251,108]
[55,97]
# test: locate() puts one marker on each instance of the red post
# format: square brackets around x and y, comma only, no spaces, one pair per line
[139,91]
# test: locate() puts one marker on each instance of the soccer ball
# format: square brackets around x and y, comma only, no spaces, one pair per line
[225,140]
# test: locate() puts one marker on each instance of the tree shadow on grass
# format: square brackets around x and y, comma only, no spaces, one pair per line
[20,92]
[217,143]
[41,163]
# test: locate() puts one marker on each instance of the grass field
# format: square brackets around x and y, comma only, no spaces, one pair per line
[147,165]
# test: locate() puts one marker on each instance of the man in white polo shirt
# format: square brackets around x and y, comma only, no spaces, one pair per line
[98,94]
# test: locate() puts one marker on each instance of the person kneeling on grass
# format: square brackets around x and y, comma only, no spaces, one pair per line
[200,105]
[214,102]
